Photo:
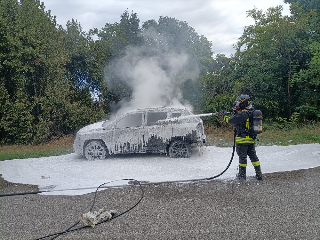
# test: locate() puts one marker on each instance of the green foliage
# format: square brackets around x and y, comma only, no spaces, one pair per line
[294,122]
[34,154]
[61,115]
[219,85]
[307,5]
[113,41]
[17,120]
[37,101]
[120,35]
[222,102]
[276,63]
[53,148]
[289,133]
[53,80]
[274,50]
[308,84]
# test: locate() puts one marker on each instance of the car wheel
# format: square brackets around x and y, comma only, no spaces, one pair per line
[95,150]
[179,149]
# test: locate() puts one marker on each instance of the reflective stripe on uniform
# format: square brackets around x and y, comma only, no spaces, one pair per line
[226,118]
[256,164]
[242,164]
[244,140]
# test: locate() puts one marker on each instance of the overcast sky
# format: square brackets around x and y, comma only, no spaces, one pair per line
[220,21]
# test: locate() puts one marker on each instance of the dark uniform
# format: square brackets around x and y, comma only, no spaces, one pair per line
[245,138]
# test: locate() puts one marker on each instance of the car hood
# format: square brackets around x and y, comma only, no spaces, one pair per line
[91,127]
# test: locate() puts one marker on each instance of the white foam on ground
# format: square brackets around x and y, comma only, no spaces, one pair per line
[72,171]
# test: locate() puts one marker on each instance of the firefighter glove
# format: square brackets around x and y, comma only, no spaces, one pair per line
[224,113]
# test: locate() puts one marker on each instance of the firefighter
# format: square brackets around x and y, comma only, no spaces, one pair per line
[245,137]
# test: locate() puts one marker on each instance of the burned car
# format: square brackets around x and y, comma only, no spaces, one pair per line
[165,130]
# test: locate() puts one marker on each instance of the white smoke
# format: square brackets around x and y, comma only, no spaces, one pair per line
[155,76]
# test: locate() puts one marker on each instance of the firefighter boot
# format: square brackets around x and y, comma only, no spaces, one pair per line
[258,172]
[242,173]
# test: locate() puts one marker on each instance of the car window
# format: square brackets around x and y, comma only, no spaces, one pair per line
[175,114]
[133,120]
[153,117]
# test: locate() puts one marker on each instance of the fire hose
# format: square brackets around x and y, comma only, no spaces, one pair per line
[112,215]
[115,215]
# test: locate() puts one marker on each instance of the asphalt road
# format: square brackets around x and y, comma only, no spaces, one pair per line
[283,206]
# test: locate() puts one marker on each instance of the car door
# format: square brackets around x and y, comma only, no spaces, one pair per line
[158,131]
[128,133]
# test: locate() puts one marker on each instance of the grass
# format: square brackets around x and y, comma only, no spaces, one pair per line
[56,147]
[295,135]
[222,137]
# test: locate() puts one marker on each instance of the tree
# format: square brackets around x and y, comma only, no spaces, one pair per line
[219,85]
[269,53]
[307,5]
[170,34]
[113,41]
[31,57]
[120,35]
[307,79]
[308,84]
[86,65]
[36,98]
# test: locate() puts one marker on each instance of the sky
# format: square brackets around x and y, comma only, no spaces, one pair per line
[73,175]
[221,21]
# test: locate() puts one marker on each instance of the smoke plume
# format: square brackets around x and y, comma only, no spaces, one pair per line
[155,74]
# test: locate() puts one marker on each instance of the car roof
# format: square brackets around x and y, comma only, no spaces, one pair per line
[162,109]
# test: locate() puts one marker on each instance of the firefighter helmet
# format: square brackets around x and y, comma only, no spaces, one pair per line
[243,102]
